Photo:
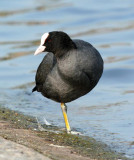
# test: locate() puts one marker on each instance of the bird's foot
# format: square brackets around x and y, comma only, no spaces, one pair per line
[69,132]
[75,133]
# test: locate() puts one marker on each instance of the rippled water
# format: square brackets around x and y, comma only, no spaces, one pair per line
[106,113]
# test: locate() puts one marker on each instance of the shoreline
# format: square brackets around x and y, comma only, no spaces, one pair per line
[51,141]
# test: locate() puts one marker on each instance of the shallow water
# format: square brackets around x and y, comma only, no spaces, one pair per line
[107,112]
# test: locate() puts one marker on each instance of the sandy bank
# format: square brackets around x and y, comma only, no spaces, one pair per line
[57,145]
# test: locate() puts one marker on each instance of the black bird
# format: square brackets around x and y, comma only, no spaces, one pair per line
[69,70]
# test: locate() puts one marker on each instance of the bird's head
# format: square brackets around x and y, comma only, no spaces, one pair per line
[56,42]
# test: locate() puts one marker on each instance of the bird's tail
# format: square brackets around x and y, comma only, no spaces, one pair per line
[34,89]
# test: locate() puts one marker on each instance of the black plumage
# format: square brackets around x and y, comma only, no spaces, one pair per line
[69,70]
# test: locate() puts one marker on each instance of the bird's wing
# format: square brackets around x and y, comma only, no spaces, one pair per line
[43,70]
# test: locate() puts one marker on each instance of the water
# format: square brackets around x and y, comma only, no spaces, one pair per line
[107,112]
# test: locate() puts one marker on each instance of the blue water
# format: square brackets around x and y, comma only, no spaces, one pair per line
[106,113]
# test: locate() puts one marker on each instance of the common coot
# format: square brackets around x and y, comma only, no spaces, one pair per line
[69,70]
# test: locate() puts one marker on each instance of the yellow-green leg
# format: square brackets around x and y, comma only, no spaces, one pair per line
[64,111]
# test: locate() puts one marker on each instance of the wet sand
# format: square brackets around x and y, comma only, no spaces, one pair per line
[51,142]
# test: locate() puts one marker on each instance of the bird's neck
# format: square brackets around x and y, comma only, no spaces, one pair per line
[64,49]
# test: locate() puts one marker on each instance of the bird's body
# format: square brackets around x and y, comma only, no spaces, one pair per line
[68,73]
[71,76]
